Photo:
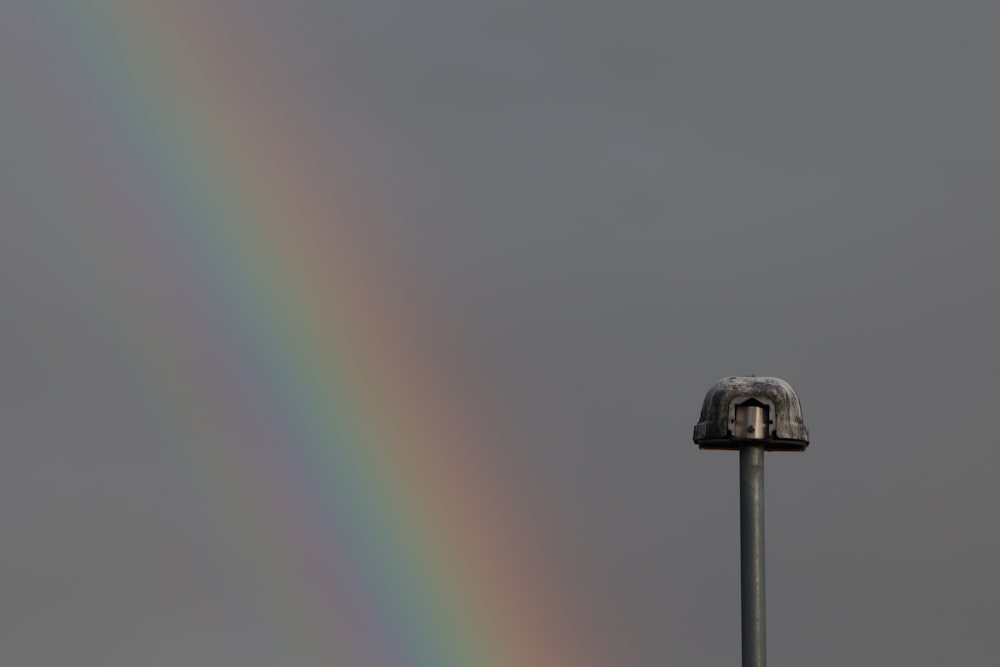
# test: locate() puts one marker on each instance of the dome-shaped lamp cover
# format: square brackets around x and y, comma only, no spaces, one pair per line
[717,428]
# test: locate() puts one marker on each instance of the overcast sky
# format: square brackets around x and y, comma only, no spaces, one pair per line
[612,205]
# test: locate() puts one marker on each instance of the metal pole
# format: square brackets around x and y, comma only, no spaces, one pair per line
[752,414]
[752,554]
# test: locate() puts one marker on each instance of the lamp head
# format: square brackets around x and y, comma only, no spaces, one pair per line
[750,410]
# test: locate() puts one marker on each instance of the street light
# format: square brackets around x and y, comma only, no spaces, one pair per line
[752,415]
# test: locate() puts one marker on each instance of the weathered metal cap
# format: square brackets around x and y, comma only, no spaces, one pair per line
[747,409]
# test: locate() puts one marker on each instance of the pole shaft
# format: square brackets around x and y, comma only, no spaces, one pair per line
[752,554]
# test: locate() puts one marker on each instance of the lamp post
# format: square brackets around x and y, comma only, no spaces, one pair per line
[752,415]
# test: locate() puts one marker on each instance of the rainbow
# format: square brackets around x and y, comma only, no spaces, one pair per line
[302,352]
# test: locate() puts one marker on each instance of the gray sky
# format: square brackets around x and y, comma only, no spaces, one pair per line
[613,205]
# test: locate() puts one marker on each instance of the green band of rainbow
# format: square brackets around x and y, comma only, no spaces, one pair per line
[294,347]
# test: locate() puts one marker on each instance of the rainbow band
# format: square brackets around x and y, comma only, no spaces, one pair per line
[292,349]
